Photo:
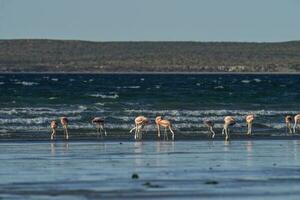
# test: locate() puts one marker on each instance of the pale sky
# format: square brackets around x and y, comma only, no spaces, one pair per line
[151,20]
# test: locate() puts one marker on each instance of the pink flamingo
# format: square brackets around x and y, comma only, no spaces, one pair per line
[210,125]
[297,120]
[64,122]
[288,122]
[53,126]
[140,122]
[99,125]
[249,121]
[228,121]
[166,124]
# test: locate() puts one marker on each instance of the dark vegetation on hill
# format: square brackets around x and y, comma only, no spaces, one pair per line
[82,56]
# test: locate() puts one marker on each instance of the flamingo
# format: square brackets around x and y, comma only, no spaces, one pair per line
[228,121]
[99,125]
[164,123]
[288,121]
[249,121]
[53,126]
[140,122]
[64,122]
[297,119]
[210,125]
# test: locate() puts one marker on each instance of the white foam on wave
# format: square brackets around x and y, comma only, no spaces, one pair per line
[257,80]
[212,112]
[2,83]
[105,96]
[275,125]
[43,110]
[33,121]
[99,104]
[246,81]
[219,87]
[25,83]
[132,87]
[52,98]
[54,79]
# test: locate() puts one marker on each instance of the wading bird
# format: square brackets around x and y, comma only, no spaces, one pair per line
[297,120]
[140,122]
[99,122]
[210,125]
[288,122]
[64,122]
[228,121]
[53,126]
[249,121]
[166,124]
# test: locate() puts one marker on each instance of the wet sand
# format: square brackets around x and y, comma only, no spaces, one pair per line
[240,169]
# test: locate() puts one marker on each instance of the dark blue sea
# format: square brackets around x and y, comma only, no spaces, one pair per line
[28,102]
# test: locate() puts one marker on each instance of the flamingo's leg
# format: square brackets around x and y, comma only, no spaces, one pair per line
[226,134]
[223,131]
[141,132]
[166,133]
[295,125]
[98,130]
[53,134]
[158,131]
[103,129]
[249,129]
[290,128]
[132,129]
[173,135]
[136,132]
[212,131]
[67,134]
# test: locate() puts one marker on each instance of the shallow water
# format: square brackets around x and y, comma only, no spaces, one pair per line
[264,169]
[28,102]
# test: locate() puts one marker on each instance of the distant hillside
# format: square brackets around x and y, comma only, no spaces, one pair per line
[81,56]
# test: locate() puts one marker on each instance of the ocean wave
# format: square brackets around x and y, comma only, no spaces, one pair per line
[33,121]
[246,81]
[214,112]
[129,87]
[43,110]
[25,83]
[2,83]
[105,96]
[53,98]
[257,80]
[99,104]
[55,79]
[219,87]
[38,125]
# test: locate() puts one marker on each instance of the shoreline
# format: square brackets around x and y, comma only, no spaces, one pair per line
[151,139]
[158,73]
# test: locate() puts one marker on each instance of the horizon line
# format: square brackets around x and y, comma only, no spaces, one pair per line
[111,41]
